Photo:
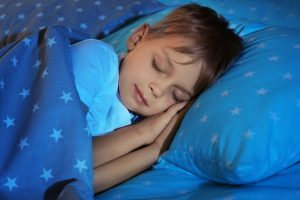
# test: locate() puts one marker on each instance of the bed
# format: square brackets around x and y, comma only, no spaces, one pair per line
[239,140]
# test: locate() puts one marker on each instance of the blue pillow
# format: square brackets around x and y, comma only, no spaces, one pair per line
[270,12]
[246,127]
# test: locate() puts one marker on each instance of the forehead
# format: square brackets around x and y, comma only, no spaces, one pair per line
[186,69]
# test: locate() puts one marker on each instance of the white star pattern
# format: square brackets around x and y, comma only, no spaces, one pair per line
[225,93]
[14,61]
[249,74]
[45,73]
[23,143]
[83,26]
[196,104]
[235,111]
[9,121]
[40,14]
[2,16]
[261,91]
[25,93]
[214,139]
[2,84]
[37,64]
[46,174]
[27,41]
[102,17]
[21,16]
[119,8]
[80,165]
[274,117]
[248,134]
[56,134]
[66,97]
[11,183]
[79,10]
[58,7]
[35,107]
[38,5]
[51,42]
[97,3]
[287,76]
[274,58]
[204,119]
[61,19]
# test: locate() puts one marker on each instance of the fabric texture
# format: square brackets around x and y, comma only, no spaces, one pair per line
[96,70]
[44,144]
[245,127]
[270,56]
[251,114]
[268,12]
[18,18]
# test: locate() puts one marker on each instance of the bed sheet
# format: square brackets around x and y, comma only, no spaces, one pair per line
[45,149]
[44,145]
[97,18]
[169,182]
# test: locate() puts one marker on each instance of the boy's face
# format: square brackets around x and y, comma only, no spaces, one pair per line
[153,76]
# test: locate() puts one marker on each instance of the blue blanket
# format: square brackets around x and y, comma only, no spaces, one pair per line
[44,145]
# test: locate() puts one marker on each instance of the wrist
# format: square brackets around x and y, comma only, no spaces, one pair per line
[141,134]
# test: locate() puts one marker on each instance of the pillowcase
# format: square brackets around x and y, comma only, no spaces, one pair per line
[270,12]
[246,127]
[96,18]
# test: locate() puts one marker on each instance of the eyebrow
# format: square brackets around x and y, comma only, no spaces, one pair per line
[170,64]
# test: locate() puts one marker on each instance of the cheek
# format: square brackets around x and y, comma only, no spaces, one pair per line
[162,105]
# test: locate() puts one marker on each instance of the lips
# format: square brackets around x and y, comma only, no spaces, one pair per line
[139,96]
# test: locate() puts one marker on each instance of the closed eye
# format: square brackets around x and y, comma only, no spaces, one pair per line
[155,66]
[176,99]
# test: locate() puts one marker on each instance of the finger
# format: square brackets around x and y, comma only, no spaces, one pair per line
[174,109]
[167,116]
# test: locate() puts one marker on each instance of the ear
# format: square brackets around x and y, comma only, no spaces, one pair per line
[137,36]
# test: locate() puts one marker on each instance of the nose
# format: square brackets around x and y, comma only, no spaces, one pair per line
[156,90]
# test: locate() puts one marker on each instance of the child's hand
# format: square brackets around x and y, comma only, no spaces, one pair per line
[151,127]
[163,141]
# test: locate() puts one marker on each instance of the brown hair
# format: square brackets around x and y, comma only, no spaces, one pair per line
[212,41]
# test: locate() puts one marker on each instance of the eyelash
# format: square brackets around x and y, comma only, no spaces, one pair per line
[154,65]
[177,100]
[156,68]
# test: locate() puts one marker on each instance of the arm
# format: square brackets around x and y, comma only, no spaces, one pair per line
[109,147]
[125,167]
[124,140]
[131,164]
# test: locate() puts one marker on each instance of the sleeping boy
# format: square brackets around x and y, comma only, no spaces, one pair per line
[165,67]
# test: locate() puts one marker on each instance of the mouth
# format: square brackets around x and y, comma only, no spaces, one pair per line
[139,96]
